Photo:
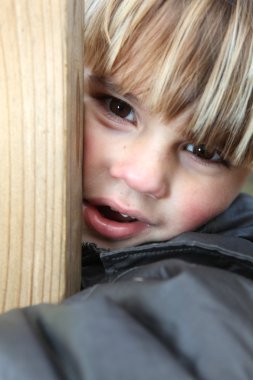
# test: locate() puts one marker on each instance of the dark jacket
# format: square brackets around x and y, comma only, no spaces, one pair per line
[181,309]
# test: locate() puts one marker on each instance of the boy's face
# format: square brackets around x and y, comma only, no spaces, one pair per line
[143,180]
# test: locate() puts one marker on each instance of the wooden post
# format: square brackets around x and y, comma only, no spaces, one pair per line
[41,117]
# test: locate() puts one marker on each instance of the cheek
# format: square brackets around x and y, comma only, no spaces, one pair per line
[94,162]
[91,149]
[200,208]
[94,146]
[203,199]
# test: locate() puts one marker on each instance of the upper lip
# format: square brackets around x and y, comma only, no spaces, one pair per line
[118,207]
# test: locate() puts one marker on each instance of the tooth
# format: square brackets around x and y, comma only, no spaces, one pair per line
[125,215]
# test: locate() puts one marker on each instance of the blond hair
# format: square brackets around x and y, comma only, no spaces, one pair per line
[176,54]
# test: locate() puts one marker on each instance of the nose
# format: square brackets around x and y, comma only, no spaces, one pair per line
[144,170]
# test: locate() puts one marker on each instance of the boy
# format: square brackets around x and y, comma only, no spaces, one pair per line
[168,144]
[169,119]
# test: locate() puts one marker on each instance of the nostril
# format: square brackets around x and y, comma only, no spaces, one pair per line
[158,193]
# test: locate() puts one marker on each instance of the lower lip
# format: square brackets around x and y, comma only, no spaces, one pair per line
[109,228]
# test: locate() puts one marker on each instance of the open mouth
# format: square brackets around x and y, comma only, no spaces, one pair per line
[112,222]
[114,215]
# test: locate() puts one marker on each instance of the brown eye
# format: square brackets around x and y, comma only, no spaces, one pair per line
[201,152]
[120,108]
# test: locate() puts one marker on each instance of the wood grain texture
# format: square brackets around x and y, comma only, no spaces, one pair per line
[41,91]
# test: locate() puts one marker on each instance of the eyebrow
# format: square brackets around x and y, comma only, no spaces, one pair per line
[105,83]
[114,88]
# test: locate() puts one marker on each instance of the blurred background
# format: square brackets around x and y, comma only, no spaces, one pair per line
[248,187]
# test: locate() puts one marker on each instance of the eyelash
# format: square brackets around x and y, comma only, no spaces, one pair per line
[105,101]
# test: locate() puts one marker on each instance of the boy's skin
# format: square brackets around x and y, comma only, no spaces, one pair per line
[145,168]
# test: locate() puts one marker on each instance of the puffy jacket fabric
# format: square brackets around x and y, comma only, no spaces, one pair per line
[179,310]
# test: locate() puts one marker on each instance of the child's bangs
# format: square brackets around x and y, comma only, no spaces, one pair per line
[179,55]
